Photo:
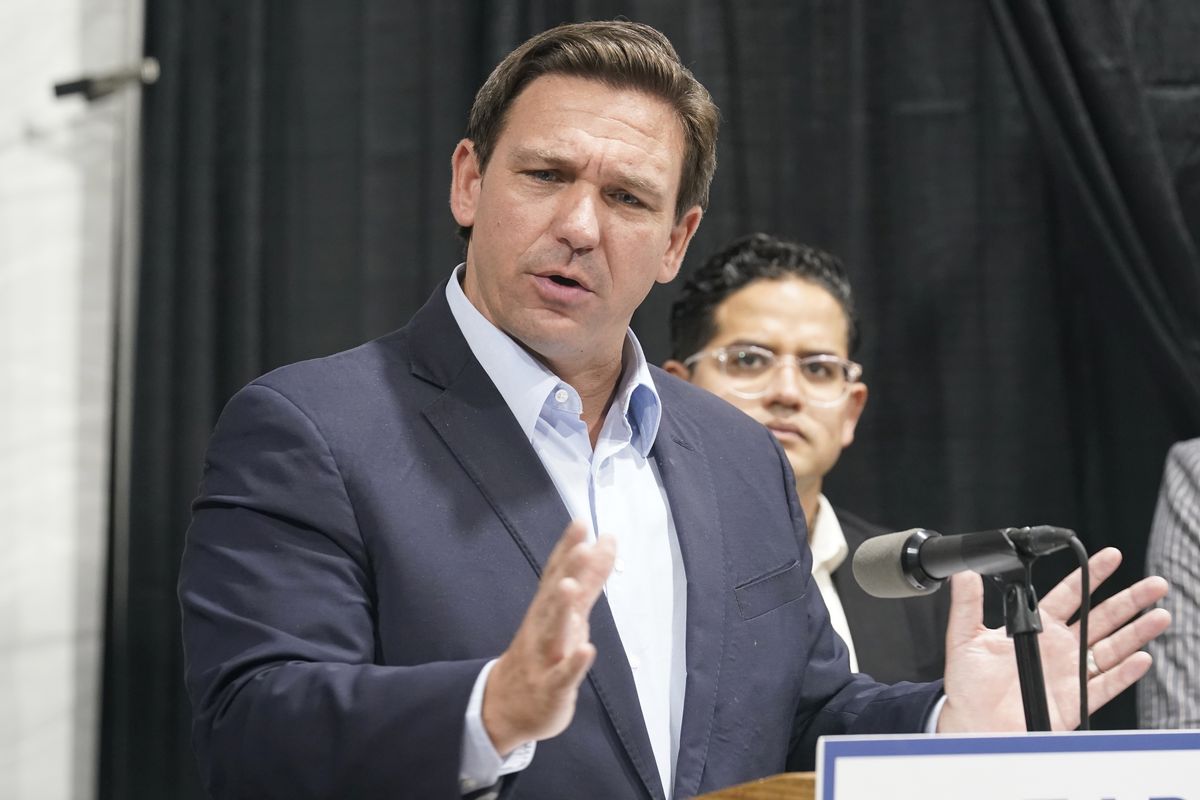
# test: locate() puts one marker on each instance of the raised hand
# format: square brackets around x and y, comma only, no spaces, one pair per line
[983,692]
[531,690]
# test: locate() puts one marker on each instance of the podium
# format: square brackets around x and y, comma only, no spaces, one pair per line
[788,786]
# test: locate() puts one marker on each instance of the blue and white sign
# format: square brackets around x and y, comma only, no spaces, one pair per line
[1097,765]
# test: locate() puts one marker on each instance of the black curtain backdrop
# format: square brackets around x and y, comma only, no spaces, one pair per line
[1015,187]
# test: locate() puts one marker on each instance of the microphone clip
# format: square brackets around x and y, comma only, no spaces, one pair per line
[1023,620]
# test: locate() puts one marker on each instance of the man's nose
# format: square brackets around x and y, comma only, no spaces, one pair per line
[578,224]
[785,386]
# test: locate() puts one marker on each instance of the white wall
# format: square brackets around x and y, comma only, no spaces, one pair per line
[60,175]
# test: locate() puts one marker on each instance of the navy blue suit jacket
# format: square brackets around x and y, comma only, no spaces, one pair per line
[369,532]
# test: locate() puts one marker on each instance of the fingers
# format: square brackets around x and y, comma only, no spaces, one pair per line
[531,691]
[569,672]
[565,640]
[574,556]
[595,568]
[1113,650]
[565,636]
[556,565]
[1107,685]
[571,583]
[966,609]
[1122,607]
[1063,600]
[556,623]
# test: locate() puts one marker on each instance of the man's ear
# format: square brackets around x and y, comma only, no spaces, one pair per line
[856,401]
[677,369]
[681,237]
[465,179]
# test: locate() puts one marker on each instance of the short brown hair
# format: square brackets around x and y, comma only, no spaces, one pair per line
[624,55]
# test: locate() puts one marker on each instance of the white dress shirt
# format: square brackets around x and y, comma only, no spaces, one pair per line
[829,550]
[615,489]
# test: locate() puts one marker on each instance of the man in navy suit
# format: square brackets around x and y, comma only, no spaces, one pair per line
[770,326]
[496,552]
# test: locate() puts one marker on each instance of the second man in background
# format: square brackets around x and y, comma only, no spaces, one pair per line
[770,326]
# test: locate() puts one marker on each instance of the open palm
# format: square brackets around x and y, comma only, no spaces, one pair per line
[983,692]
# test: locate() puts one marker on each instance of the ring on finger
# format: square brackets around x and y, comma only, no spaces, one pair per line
[1093,669]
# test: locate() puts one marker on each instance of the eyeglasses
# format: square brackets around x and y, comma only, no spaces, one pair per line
[751,369]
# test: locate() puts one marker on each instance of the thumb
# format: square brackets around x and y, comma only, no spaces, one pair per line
[966,609]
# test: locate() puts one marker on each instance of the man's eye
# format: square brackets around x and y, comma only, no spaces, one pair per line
[543,175]
[627,199]
[820,371]
[750,361]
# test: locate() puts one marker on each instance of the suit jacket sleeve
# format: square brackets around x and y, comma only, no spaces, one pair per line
[833,700]
[278,624]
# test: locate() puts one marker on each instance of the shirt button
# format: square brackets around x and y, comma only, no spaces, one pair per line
[619,565]
[561,396]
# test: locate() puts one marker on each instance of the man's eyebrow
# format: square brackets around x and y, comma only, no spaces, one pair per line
[744,341]
[540,155]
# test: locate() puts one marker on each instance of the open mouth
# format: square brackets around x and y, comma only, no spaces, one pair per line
[563,281]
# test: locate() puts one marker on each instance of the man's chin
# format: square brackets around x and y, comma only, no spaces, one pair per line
[554,337]
[800,457]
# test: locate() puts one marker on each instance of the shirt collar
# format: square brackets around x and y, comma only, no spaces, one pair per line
[828,542]
[527,385]
[638,399]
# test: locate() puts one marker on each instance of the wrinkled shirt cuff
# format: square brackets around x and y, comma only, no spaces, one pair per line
[481,765]
[935,715]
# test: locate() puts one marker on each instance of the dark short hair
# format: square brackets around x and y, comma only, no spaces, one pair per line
[624,55]
[758,256]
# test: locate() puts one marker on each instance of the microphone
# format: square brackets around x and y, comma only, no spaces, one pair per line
[917,561]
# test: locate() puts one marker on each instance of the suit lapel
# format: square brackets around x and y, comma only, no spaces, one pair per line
[688,483]
[473,420]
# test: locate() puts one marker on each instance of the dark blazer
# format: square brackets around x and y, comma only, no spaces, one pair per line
[895,640]
[369,531]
